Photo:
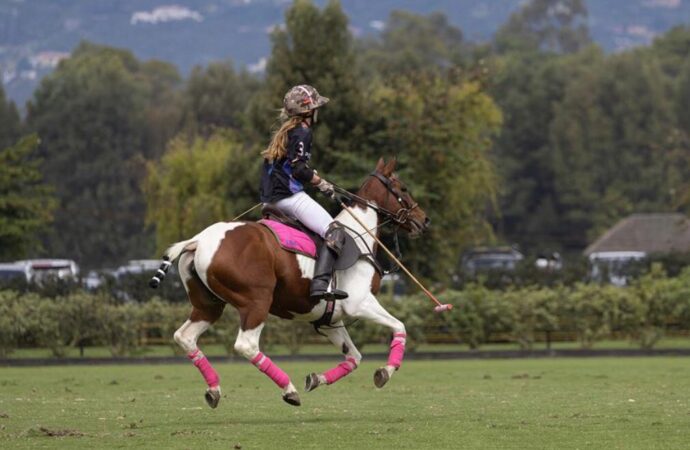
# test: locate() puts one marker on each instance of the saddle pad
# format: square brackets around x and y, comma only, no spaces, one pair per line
[290,238]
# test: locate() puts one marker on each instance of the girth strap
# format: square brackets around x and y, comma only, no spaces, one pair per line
[325,319]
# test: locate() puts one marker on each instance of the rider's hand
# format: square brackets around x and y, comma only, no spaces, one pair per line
[325,187]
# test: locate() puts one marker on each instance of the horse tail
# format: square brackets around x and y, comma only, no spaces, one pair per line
[171,254]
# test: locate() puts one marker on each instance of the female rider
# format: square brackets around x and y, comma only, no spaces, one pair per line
[285,173]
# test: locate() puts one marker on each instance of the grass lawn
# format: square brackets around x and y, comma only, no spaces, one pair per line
[526,403]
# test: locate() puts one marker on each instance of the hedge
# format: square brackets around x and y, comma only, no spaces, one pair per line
[642,312]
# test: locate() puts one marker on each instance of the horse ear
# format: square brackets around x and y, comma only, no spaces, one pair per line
[389,168]
[380,164]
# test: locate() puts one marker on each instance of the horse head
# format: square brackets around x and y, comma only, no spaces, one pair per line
[393,200]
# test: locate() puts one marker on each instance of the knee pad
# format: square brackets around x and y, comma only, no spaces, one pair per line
[335,237]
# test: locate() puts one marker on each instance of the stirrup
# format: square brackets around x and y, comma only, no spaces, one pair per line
[333,294]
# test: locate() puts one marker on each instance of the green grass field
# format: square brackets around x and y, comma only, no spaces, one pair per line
[531,403]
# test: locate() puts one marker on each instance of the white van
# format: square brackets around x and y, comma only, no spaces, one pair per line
[42,269]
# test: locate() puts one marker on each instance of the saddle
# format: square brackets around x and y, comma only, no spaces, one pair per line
[294,241]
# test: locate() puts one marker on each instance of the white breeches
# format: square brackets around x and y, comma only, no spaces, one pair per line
[306,210]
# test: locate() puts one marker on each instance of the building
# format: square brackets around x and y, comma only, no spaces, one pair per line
[633,239]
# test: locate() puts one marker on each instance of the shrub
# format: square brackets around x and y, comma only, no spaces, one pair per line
[653,290]
[159,319]
[121,325]
[13,321]
[532,310]
[587,311]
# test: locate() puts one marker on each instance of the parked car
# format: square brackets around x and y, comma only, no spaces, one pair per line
[393,285]
[15,272]
[549,262]
[488,259]
[94,279]
[129,282]
[137,266]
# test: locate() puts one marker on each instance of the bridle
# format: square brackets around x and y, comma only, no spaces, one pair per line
[399,217]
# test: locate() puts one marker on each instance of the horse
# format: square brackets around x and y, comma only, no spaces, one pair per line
[242,264]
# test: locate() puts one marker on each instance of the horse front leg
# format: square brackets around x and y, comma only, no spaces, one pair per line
[341,339]
[247,345]
[371,309]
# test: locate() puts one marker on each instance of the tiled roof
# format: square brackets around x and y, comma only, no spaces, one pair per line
[649,233]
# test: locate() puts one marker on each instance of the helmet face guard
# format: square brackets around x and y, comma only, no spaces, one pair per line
[302,99]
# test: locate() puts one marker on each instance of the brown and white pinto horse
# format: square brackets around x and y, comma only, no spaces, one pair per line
[241,263]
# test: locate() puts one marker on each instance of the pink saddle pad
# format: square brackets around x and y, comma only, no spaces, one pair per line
[290,238]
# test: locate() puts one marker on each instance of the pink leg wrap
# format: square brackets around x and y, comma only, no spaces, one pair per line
[340,370]
[204,366]
[395,356]
[264,364]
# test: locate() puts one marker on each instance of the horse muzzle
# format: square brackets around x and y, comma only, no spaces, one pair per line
[418,228]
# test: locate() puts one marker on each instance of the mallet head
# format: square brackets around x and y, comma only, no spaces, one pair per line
[441,308]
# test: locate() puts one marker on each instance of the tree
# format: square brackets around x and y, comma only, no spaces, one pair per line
[199,181]
[216,97]
[10,123]
[610,144]
[673,50]
[316,48]
[552,25]
[528,87]
[26,203]
[163,114]
[440,127]
[411,43]
[94,115]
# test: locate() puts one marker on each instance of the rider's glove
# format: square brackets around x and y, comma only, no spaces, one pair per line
[325,187]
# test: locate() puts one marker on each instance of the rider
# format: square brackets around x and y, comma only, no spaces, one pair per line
[285,173]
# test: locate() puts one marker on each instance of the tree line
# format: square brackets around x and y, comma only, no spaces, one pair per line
[537,137]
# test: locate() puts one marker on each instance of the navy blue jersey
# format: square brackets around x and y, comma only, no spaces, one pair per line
[287,176]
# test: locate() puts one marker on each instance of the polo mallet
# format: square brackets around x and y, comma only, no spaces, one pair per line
[440,307]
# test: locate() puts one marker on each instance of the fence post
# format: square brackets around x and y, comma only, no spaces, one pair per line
[548,339]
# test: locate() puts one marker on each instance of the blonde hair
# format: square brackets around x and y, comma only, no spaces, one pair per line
[276,148]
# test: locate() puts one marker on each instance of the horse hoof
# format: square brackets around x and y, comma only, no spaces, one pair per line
[292,398]
[212,397]
[312,382]
[381,377]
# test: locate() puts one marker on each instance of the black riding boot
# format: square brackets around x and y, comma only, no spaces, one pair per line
[323,271]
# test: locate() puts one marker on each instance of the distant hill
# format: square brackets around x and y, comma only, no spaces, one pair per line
[36,34]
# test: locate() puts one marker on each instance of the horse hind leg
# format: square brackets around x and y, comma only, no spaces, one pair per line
[341,339]
[206,311]
[247,345]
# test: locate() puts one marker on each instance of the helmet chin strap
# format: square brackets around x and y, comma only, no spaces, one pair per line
[310,119]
